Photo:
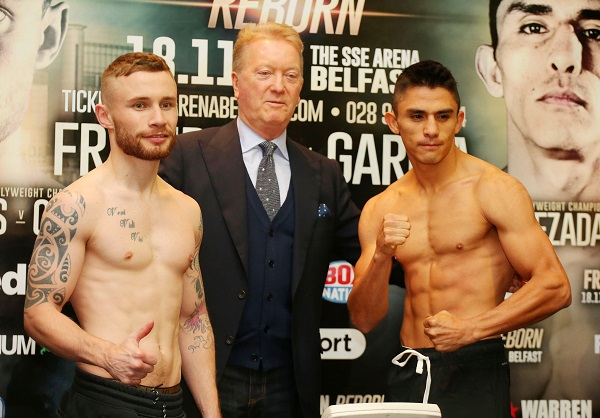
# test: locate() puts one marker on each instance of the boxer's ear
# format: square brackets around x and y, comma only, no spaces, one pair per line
[390,119]
[488,70]
[104,117]
[54,28]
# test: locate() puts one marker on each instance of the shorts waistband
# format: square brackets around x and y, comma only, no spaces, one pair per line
[92,383]
[482,349]
[163,390]
[170,390]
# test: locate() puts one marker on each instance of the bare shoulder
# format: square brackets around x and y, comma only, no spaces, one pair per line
[390,200]
[74,206]
[501,194]
[89,186]
[183,203]
[494,181]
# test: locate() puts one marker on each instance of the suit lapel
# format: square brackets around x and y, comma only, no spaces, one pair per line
[306,179]
[225,165]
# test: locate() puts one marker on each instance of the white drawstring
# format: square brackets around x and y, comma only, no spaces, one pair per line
[420,359]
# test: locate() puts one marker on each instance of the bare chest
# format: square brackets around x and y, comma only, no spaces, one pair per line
[447,223]
[135,237]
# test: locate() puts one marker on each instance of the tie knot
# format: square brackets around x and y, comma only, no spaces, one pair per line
[268,148]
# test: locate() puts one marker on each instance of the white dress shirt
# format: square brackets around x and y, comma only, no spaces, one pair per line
[252,154]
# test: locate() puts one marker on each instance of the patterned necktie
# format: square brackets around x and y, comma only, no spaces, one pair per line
[266,180]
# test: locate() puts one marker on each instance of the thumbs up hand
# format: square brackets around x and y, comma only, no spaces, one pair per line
[127,362]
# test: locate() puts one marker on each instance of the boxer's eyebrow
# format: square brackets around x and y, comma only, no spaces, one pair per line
[532,9]
[589,14]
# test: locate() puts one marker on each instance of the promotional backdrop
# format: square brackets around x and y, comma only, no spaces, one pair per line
[354,50]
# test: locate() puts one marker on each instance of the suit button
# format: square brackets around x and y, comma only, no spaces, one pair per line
[254,357]
[271,233]
[229,340]
[266,329]
[242,295]
[269,297]
[271,263]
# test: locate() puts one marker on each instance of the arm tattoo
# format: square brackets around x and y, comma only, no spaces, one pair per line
[51,260]
[198,321]
[199,342]
[193,274]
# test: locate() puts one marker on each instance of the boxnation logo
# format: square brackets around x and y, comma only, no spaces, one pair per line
[338,283]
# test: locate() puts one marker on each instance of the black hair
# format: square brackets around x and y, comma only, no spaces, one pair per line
[494,4]
[427,73]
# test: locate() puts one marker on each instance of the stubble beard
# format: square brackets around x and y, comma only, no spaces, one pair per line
[133,145]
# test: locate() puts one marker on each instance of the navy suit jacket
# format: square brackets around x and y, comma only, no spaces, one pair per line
[208,166]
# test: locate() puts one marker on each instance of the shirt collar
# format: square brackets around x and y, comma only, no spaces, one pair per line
[250,139]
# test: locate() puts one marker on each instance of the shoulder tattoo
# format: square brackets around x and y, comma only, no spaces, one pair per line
[50,264]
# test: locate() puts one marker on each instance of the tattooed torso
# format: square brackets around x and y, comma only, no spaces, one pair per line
[121,261]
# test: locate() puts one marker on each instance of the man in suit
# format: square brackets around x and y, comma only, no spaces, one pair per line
[265,264]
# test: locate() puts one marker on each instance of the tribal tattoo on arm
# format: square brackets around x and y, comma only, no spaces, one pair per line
[198,321]
[51,262]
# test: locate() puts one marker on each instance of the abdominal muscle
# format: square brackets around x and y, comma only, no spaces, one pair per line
[112,308]
[465,285]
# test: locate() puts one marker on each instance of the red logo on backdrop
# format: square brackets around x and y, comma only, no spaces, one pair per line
[338,283]
[513,410]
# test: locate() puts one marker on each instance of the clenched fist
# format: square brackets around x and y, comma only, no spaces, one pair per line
[447,332]
[395,229]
